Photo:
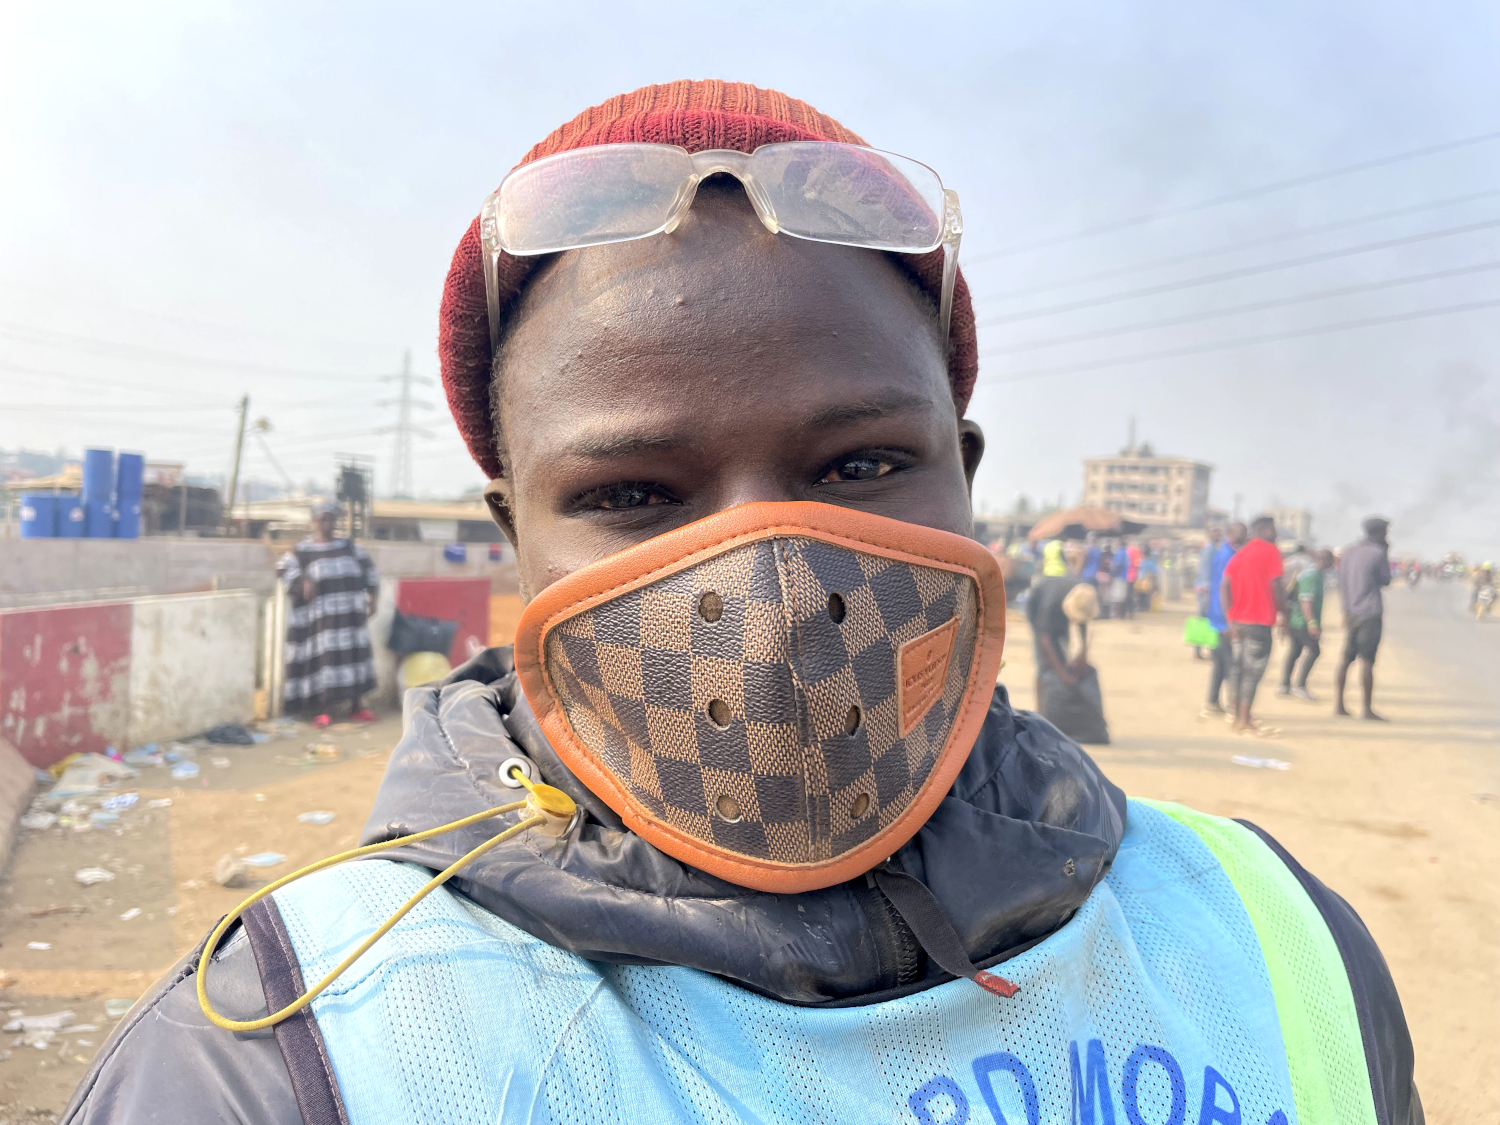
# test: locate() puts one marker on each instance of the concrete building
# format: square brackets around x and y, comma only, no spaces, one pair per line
[1167,491]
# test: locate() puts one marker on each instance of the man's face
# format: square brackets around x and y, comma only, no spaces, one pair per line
[1215,534]
[1325,559]
[326,522]
[1237,534]
[649,384]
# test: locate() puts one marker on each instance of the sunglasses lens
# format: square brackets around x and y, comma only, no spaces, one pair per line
[590,196]
[848,194]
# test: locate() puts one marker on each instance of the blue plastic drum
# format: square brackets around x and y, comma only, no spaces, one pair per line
[38,516]
[128,486]
[69,517]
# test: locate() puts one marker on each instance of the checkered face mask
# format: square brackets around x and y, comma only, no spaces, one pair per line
[779,694]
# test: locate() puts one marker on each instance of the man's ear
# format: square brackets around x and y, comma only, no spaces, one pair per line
[970,448]
[497,497]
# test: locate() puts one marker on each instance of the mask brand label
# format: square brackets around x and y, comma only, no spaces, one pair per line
[921,670]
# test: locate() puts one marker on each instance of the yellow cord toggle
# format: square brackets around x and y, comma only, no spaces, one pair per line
[551,813]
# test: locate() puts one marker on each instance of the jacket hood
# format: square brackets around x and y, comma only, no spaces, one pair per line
[1028,829]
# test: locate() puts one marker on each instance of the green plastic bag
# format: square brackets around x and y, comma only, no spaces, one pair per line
[1196,631]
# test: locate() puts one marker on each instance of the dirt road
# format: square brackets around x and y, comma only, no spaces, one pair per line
[1402,818]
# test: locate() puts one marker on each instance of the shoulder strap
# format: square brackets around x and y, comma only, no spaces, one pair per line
[1320,1025]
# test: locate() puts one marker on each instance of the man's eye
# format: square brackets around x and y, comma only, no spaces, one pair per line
[857,468]
[631,494]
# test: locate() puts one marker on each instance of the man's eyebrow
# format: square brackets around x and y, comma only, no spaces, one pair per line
[849,413]
[604,446]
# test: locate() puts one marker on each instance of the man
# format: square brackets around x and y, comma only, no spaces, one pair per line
[1050,629]
[755,784]
[1203,577]
[1251,592]
[1304,625]
[1054,564]
[1364,572]
[1223,656]
[333,585]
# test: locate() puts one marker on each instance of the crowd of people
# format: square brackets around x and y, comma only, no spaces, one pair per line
[1247,592]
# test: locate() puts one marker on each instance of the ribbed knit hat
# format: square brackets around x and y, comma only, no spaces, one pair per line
[697,116]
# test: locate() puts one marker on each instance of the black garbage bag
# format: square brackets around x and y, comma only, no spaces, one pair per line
[1075,709]
[420,634]
[230,734]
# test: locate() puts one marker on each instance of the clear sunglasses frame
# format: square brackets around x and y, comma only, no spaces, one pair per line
[621,192]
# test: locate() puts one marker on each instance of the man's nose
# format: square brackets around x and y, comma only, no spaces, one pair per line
[759,486]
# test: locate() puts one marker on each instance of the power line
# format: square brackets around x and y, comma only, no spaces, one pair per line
[1256,306]
[1238,196]
[50,339]
[1243,271]
[1223,345]
[114,408]
[113,384]
[1235,247]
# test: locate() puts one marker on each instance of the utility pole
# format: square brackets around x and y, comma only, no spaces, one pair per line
[404,429]
[239,448]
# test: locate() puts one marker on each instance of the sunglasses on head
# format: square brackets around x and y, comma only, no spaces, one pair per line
[822,191]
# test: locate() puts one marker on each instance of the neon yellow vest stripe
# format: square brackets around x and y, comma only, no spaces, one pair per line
[1319,1023]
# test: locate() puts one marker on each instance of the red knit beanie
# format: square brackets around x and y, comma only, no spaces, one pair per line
[697,116]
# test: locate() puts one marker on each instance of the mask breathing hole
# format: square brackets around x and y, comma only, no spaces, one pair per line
[727,807]
[711,607]
[860,806]
[719,715]
[836,608]
[851,720]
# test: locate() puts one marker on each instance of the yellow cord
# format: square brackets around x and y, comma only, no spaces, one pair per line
[549,807]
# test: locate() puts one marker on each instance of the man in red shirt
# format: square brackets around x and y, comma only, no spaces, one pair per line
[1251,593]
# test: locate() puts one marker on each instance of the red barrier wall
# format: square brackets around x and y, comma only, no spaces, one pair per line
[65,679]
[465,600]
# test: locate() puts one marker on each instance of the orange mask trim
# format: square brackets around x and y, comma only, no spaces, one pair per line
[755,606]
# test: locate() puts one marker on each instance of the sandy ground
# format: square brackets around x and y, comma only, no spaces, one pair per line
[1400,818]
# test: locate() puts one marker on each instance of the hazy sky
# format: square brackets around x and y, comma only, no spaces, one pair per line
[206,199]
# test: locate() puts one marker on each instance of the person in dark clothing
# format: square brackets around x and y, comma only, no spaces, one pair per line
[1050,626]
[1304,625]
[1364,571]
[735,467]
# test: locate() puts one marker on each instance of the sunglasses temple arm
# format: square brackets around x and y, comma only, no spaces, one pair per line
[492,299]
[489,251]
[953,230]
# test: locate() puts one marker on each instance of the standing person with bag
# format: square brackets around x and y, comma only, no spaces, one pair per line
[1067,688]
[1234,538]
[1252,596]
[1203,578]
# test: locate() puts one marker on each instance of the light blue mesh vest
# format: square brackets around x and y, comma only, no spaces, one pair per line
[1197,985]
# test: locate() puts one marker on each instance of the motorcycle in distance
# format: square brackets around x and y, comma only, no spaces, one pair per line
[1484,601]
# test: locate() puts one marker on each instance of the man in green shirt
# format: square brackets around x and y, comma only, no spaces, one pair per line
[1304,625]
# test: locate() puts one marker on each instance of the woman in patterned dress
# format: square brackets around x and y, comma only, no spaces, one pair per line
[332,584]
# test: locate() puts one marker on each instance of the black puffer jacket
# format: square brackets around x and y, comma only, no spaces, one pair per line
[1025,834]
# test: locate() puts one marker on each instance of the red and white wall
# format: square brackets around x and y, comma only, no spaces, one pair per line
[80,678]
